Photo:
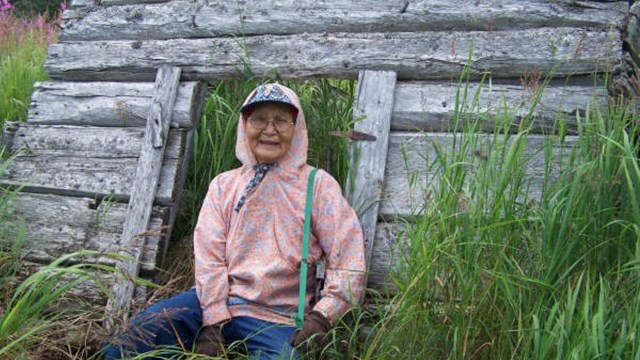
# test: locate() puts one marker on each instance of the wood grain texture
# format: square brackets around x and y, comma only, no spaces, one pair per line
[432,106]
[88,141]
[411,175]
[387,257]
[107,103]
[632,33]
[58,225]
[86,295]
[147,178]
[374,102]
[88,161]
[199,19]
[417,55]
[93,4]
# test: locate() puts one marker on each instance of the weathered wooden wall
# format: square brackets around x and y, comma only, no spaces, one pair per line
[199,19]
[417,39]
[88,161]
[76,158]
[117,104]
[58,225]
[432,106]
[413,55]
[84,129]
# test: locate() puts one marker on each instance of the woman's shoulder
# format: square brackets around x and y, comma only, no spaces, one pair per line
[325,181]
[228,177]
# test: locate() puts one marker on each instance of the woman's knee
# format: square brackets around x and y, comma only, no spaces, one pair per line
[171,321]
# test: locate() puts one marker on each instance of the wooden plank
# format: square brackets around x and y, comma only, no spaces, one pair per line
[410,175]
[88,177]
[86,161]
[8,133]
[180,184]
[93,4]
[197,19]
[417,55]
[145,186]
[390,258]
[432,106]
[632,33]
[87,293]
[374,102]
[107,103]
[388,254]
[58,225]
[86,141]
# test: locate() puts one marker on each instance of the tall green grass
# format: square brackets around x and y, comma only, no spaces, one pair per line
[490,273]
[23,48]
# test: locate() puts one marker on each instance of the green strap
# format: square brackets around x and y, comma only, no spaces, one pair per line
[299,318]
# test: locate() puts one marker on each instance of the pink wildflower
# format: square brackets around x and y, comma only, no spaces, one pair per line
[38,23]
[5,5]
[63,5]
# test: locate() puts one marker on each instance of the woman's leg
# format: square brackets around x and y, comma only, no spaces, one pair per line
[174,321]
[264,340]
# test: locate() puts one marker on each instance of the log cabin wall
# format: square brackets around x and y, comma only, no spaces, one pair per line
[84,126]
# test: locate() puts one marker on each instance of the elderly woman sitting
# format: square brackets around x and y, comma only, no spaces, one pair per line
[248,248]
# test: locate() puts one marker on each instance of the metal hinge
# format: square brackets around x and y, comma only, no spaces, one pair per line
[354,135]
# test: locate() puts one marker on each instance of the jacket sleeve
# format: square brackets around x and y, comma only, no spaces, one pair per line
[339,233]
[209,244]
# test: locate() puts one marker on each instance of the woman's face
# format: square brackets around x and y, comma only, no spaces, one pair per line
[270,145]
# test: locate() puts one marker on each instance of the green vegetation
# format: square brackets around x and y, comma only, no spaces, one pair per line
[486,272]
[23,47]
[33,8]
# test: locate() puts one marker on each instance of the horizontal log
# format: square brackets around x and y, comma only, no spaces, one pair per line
[89,142]
[58,225]
[56,159]
[108,103]
[418,55]
[432,106]
[307,5]
[79,4]
[196,19]
[84,177]
[411,176]
[89,295]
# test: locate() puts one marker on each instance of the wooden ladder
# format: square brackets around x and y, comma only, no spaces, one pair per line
[374,104]
[144,191]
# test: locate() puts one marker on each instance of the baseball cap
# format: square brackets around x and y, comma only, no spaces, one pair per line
[268,93]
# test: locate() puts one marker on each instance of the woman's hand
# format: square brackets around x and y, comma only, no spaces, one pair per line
[315,327]
[210,341]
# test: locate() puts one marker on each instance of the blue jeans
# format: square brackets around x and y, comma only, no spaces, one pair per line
[174,324]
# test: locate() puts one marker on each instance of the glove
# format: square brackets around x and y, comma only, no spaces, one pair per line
[315,327]
[210,341]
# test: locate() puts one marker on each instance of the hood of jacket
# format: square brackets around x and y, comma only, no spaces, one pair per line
[297,155]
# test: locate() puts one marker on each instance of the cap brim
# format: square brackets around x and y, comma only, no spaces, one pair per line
[252,105]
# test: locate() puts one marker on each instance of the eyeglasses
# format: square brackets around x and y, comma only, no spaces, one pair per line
[262,122]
